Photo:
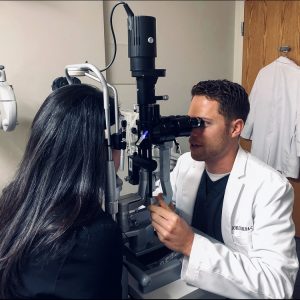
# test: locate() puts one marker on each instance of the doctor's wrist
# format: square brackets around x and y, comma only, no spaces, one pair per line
[188,245]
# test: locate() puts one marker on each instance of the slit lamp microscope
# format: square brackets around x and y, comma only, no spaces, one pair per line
[147,260]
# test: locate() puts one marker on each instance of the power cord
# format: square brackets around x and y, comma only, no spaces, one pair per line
[113,35]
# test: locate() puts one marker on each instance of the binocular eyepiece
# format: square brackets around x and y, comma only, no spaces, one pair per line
[171,127]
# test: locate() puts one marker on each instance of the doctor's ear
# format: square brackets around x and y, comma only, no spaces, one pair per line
[236,127]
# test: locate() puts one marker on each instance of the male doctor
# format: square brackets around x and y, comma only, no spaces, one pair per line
[233,217]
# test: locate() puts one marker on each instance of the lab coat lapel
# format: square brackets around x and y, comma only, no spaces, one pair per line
[190,188]
[233,190]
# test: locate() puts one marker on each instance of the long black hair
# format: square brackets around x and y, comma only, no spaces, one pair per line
[60,181]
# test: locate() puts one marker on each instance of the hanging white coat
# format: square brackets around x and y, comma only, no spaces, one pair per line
[273,123]
[258,258]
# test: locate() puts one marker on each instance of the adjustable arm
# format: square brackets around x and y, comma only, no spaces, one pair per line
[111,201]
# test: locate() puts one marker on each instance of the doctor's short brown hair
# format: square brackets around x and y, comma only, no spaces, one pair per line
[232,98]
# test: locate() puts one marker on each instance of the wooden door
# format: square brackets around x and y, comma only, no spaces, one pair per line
[268,25]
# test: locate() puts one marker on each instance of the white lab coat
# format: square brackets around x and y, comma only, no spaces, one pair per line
[258,258]
[273,123]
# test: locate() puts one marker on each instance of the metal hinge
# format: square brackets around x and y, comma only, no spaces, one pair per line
[242,28]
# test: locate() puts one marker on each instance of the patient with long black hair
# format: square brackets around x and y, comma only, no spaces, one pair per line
[55,240]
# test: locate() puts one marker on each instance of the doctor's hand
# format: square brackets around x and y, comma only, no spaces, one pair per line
[171,229]
[161,202]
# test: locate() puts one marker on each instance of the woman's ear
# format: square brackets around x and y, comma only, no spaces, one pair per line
[237,127]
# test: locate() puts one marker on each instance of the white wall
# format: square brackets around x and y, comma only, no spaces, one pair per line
[238,42]
[38,39]
[196,40]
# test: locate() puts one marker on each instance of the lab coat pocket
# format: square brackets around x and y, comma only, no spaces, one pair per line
[242,238]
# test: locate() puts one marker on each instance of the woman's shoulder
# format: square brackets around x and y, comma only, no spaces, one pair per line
[102,226]
[103,219]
